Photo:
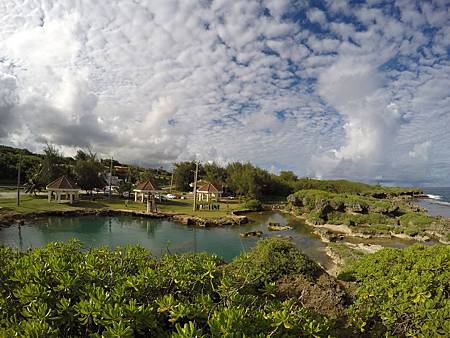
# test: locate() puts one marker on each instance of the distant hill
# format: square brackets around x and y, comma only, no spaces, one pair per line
[349,187]
[9,157]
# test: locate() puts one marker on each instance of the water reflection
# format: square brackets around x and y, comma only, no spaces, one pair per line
[160,236]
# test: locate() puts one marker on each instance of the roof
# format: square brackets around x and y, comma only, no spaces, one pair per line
[146,186]
[208,187]
[63,183]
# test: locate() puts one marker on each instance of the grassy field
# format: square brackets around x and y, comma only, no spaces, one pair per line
[40,203]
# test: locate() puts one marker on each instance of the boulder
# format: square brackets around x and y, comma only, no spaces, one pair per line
[251,234]
[295,201]
[278,227]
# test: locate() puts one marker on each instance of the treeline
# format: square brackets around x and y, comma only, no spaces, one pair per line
[86,168]
[241,179]
[245,179]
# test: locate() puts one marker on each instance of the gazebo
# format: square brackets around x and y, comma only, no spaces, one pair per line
[65,190]
[207,194]
[144,188]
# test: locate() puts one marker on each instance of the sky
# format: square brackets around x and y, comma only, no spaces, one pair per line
[327,89]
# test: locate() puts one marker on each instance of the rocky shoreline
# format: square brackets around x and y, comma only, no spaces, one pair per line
[11,218]
[340,231]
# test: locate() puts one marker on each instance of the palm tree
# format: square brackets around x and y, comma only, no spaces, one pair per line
[35,182]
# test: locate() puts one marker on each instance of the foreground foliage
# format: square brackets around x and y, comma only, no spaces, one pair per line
[61,290]
[272,290]
[403,292]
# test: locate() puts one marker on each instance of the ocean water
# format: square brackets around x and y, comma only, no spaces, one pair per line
[438,201]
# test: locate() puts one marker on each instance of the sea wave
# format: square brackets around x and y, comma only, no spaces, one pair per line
[434,197]
[442,203]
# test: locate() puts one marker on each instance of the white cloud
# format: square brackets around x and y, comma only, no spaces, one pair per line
[159,81]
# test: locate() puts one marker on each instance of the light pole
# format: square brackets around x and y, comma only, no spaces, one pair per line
[195,186]
[171,182]
[110,177]
[18,179]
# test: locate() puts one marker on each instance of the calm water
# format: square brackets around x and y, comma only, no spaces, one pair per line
[160,236]
[438,203]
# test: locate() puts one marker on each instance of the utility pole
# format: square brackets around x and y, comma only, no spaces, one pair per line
[171,182]
[195,186]
[18,179]
[110,177]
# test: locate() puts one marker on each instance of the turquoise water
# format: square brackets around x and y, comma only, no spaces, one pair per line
[160,236]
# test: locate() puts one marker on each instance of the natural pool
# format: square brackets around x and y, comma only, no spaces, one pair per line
[163,236]
[160,236]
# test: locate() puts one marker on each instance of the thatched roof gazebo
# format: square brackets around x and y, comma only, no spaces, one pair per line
[63,187]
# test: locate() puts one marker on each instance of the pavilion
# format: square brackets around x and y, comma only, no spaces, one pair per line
[208,194]
[144,188]
[65,190]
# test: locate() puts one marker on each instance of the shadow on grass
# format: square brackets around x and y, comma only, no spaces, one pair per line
[174,202]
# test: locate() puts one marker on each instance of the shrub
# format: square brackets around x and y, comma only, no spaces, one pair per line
[270,260]
[403,292]
[63,290]
[253,205]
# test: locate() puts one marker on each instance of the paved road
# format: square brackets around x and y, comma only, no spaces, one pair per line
[13,194]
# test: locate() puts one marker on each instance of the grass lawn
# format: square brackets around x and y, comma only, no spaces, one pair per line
[185,207]
[40,203]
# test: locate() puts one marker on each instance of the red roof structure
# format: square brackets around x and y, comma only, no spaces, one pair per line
[208,187]
[62,183]
[147,185]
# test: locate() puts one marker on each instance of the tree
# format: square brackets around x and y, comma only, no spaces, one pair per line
[288,176]
[35,181]
[242,180]
[183,175]
[88,170]
[52,165]
[215,173]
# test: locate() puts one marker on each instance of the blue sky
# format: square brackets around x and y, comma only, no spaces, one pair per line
[331,89]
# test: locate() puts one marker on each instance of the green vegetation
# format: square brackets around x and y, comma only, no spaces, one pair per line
[241,179]
[253,205]
[403,292]
[30,204]
[87,169]
[350,187]
[345,254]
[365,214]
[272,290]
[61,290]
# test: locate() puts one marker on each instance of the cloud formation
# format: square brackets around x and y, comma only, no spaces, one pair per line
[333,90]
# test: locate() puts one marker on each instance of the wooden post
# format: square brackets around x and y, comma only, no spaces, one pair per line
[195,186]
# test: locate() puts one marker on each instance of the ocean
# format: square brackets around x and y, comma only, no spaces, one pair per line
[438,201]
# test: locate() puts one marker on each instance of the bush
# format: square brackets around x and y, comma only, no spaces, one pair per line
[403,292]
[270,260]
[63,290]
[253,205]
